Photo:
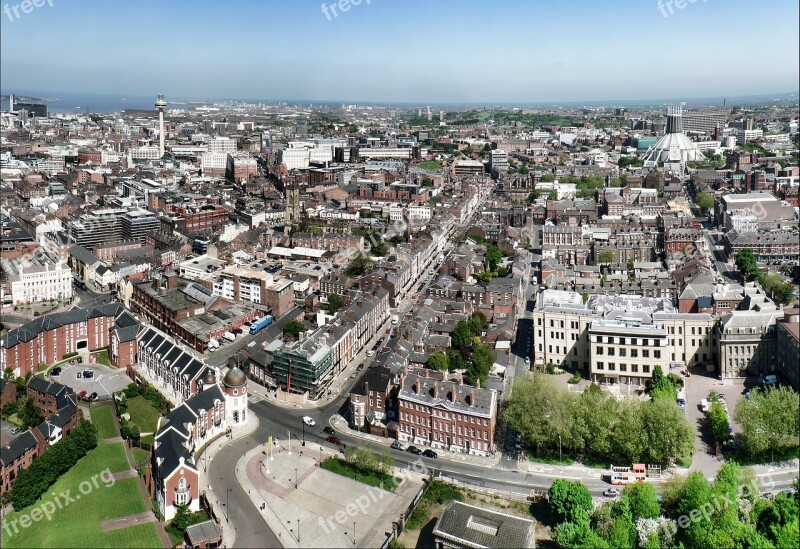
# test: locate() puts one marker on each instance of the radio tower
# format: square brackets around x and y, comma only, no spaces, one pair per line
[161,104]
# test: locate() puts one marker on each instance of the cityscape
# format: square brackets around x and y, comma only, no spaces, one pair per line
[525,275]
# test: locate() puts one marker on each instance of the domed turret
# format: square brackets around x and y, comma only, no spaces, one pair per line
[234,378]
[209,378]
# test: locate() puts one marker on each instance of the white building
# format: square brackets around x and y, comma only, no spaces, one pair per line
[37,283]
[222,145]
[499,160]
[144,153]
[745,136]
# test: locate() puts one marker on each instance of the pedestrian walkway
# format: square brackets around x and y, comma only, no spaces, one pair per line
[125,522]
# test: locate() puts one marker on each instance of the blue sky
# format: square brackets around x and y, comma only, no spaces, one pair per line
[409,50]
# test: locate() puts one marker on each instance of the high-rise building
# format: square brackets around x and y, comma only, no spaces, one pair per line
[161,104]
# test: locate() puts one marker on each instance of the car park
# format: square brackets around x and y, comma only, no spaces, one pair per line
[397,445]
[414,450]
[430,454]
[309,421]
[611,493]
[14,430]
[88,372]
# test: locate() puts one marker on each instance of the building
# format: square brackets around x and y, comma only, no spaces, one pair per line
[172,476]
[465,526]
[255,286]
[468,167]
[446,414]
[39,281]
[674,145]
[373,403]
[48,338]
[704,121]
[498,160]
[788,347]
[775,247]
[626,352]
[112,225]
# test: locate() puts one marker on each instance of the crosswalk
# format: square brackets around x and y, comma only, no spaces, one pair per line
[255,397]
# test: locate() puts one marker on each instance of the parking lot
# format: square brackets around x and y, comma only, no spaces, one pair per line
[6,436]
[104,381]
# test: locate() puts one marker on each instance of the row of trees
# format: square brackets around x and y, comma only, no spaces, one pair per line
[45,470]
[770,421]
[694,513]
[772,283]
[595,424]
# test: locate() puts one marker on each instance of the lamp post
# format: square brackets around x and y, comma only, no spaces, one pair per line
[295,478]
[227,504]
[559,449]
[304,432]
[298,530]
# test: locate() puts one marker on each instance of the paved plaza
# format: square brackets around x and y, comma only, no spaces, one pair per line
[332,510]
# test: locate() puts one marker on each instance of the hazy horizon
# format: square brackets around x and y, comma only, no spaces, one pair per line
[403,53]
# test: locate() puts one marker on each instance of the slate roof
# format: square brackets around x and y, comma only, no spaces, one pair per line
[30,330]
[465,525]
[17,447]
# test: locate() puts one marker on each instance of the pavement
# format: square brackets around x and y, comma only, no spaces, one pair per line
[106,380]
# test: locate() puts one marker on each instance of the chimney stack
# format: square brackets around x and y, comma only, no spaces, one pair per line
[435,390]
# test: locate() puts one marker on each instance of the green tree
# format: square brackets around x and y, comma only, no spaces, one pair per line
[293,329]
[456,360]
[569,500]
[607,256]
[705,201]
[482,361]
[718,421]
[439,361]
[462,335]
[493,256]
[642,499]
[770,421]
[335,302]
[747,265]
[181,519]
[666,432]
[29,414]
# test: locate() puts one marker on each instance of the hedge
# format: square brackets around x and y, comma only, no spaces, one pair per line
[45,470]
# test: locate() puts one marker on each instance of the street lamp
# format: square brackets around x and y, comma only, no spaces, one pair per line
[559,449]
[295,478]
[304,432]
[354,533]
[227,504]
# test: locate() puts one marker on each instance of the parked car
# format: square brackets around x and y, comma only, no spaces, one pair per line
[359,367]
[329,431]
[721,399]
[414,450]
[333,439]
[82,394]
[88,372]
[93,396]
[55,371]
[527,360]
[704,405]
[14,430]
[611,493]
[370,352]
[397,445]
[430,454]
[308,420]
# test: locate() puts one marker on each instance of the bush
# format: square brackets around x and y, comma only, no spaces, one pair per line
[70,355]
[550,369]
[45,470]
[577,378]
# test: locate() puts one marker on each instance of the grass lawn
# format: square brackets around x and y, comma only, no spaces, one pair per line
[77,523]
[102,357]
[371,478]
[143,415]
[14,418]
[429,165]
[103,419]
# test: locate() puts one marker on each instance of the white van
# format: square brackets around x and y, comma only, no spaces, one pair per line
[704,405]
[770,379]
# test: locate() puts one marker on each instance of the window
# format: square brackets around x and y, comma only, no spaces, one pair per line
[645,353]
[623,367]
[634,368]
[657,354]
[634,353]
[646,368]
[622,352]
[612,366]
[599,350]
[611,351]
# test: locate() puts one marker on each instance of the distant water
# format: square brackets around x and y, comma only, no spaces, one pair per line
[100,103]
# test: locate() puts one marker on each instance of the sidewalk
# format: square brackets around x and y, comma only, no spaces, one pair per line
[340,424]
[203,461]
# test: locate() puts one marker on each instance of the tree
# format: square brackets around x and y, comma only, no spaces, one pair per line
[770,420]
[456,360]
[462,335]
[335,302]
[439,361]
[181,519]
[747,265]
[293,329]
[29,414]
[607,256]
[493,256]
[569,500]
[705,201]
[718,421]
[642,499]
[482,362]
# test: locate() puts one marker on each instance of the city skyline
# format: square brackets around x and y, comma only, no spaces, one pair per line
[302,50]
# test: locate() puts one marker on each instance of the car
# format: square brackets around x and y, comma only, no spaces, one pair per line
[93,396]
[397,445]
[308,420]
[333,439]
[14,430]
[353,375]
[704,405]
[414,450]
[55,371]
[430,454]
[611,493]
[88,372]
[769,495]
[389,330]
[359,367]
[721,399]
[370,352]
[329,430]
[82,394]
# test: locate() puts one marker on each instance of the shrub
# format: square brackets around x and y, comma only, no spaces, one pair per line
[577,378]
[45,470]
[70,355]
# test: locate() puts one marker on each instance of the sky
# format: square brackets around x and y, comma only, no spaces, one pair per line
[436,51]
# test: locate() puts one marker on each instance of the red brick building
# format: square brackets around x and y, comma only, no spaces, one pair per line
[48,338]
[446,414]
